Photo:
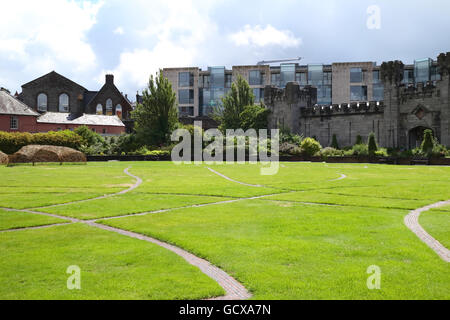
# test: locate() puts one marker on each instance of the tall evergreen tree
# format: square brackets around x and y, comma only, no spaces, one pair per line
[372,144]
[157,116]
[334,142]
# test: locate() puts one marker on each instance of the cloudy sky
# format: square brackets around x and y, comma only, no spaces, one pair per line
[132,39]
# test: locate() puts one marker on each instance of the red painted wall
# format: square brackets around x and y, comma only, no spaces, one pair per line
[29,124]
[26,123]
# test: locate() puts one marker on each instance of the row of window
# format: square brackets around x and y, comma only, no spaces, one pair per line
[42,102]
[109,109]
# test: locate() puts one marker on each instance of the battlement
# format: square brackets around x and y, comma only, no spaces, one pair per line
[344,109]
[429,89]
[292,94]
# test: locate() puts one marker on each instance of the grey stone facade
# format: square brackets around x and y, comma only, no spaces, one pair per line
[398,121]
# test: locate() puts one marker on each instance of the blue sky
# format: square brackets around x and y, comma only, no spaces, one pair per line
[132,39]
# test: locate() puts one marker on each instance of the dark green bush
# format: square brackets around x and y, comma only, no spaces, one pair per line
[372,144]
[428,142]
[12,142]
[334,143]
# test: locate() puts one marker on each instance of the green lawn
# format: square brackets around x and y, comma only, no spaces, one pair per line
[130,203]
[437,223]
[310,237]
[291,251]
[34,264]
[17,220]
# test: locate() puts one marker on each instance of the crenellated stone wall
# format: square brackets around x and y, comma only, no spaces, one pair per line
[398,121]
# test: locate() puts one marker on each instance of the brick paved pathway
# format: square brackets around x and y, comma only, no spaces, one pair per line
[412,222]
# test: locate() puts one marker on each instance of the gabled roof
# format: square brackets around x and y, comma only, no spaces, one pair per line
[53,73]
[12,106]
[105,86]
[85,119]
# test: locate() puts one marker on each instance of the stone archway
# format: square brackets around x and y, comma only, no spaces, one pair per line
[416,136]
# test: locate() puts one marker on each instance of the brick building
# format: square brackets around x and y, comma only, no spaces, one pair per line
[15,116]
[55,93]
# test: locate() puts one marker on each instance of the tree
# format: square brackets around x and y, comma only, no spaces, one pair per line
[89,137]
[334,142]
[157,116]
[233,104]
[372,144]
[428,143]
[254,117]
[359,140]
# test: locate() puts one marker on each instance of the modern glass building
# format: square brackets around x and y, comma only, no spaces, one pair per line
[200,91]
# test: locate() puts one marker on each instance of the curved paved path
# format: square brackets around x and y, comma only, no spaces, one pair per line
[134,186]
[342,177]
[235,181]
[412,222]
[234,290]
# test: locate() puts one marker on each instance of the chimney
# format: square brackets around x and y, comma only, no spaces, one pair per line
[109,79]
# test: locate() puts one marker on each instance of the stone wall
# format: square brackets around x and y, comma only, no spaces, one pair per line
[397,122]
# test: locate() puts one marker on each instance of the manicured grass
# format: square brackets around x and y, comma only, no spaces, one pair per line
[130,203]
[27,186]
[277,247]
[16,220]
[34,264]
[437,223]
[285,250]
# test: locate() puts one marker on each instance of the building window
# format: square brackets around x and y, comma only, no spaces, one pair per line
[287,73]
[358,93]
[435,73]
[104,131]
[14,123]
[186,96]
[254,77]
[63,103]
[42,102]
[376,76]
[356,75]
[258,93]
[300,77]
[315,74]
[327,78]
[228,80]
[324,94]
[275,79]
[185,79]
[109,107]
[378,92]
[119,111]
[422,70]
[99,109]
[408,76]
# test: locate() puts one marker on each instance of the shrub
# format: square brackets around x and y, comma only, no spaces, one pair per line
[382,152]
[372,144]
[334,142]
[287,148]
[331,152]
[310,146]
[359,150]
[12,142]
[428,142]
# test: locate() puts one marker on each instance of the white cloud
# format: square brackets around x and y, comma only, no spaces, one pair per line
[177,29]
[45,34]
[119,31]
[262,37]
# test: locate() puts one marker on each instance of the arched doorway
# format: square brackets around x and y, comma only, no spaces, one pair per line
[416,136]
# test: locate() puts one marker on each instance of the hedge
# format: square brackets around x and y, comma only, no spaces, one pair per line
[12,142]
